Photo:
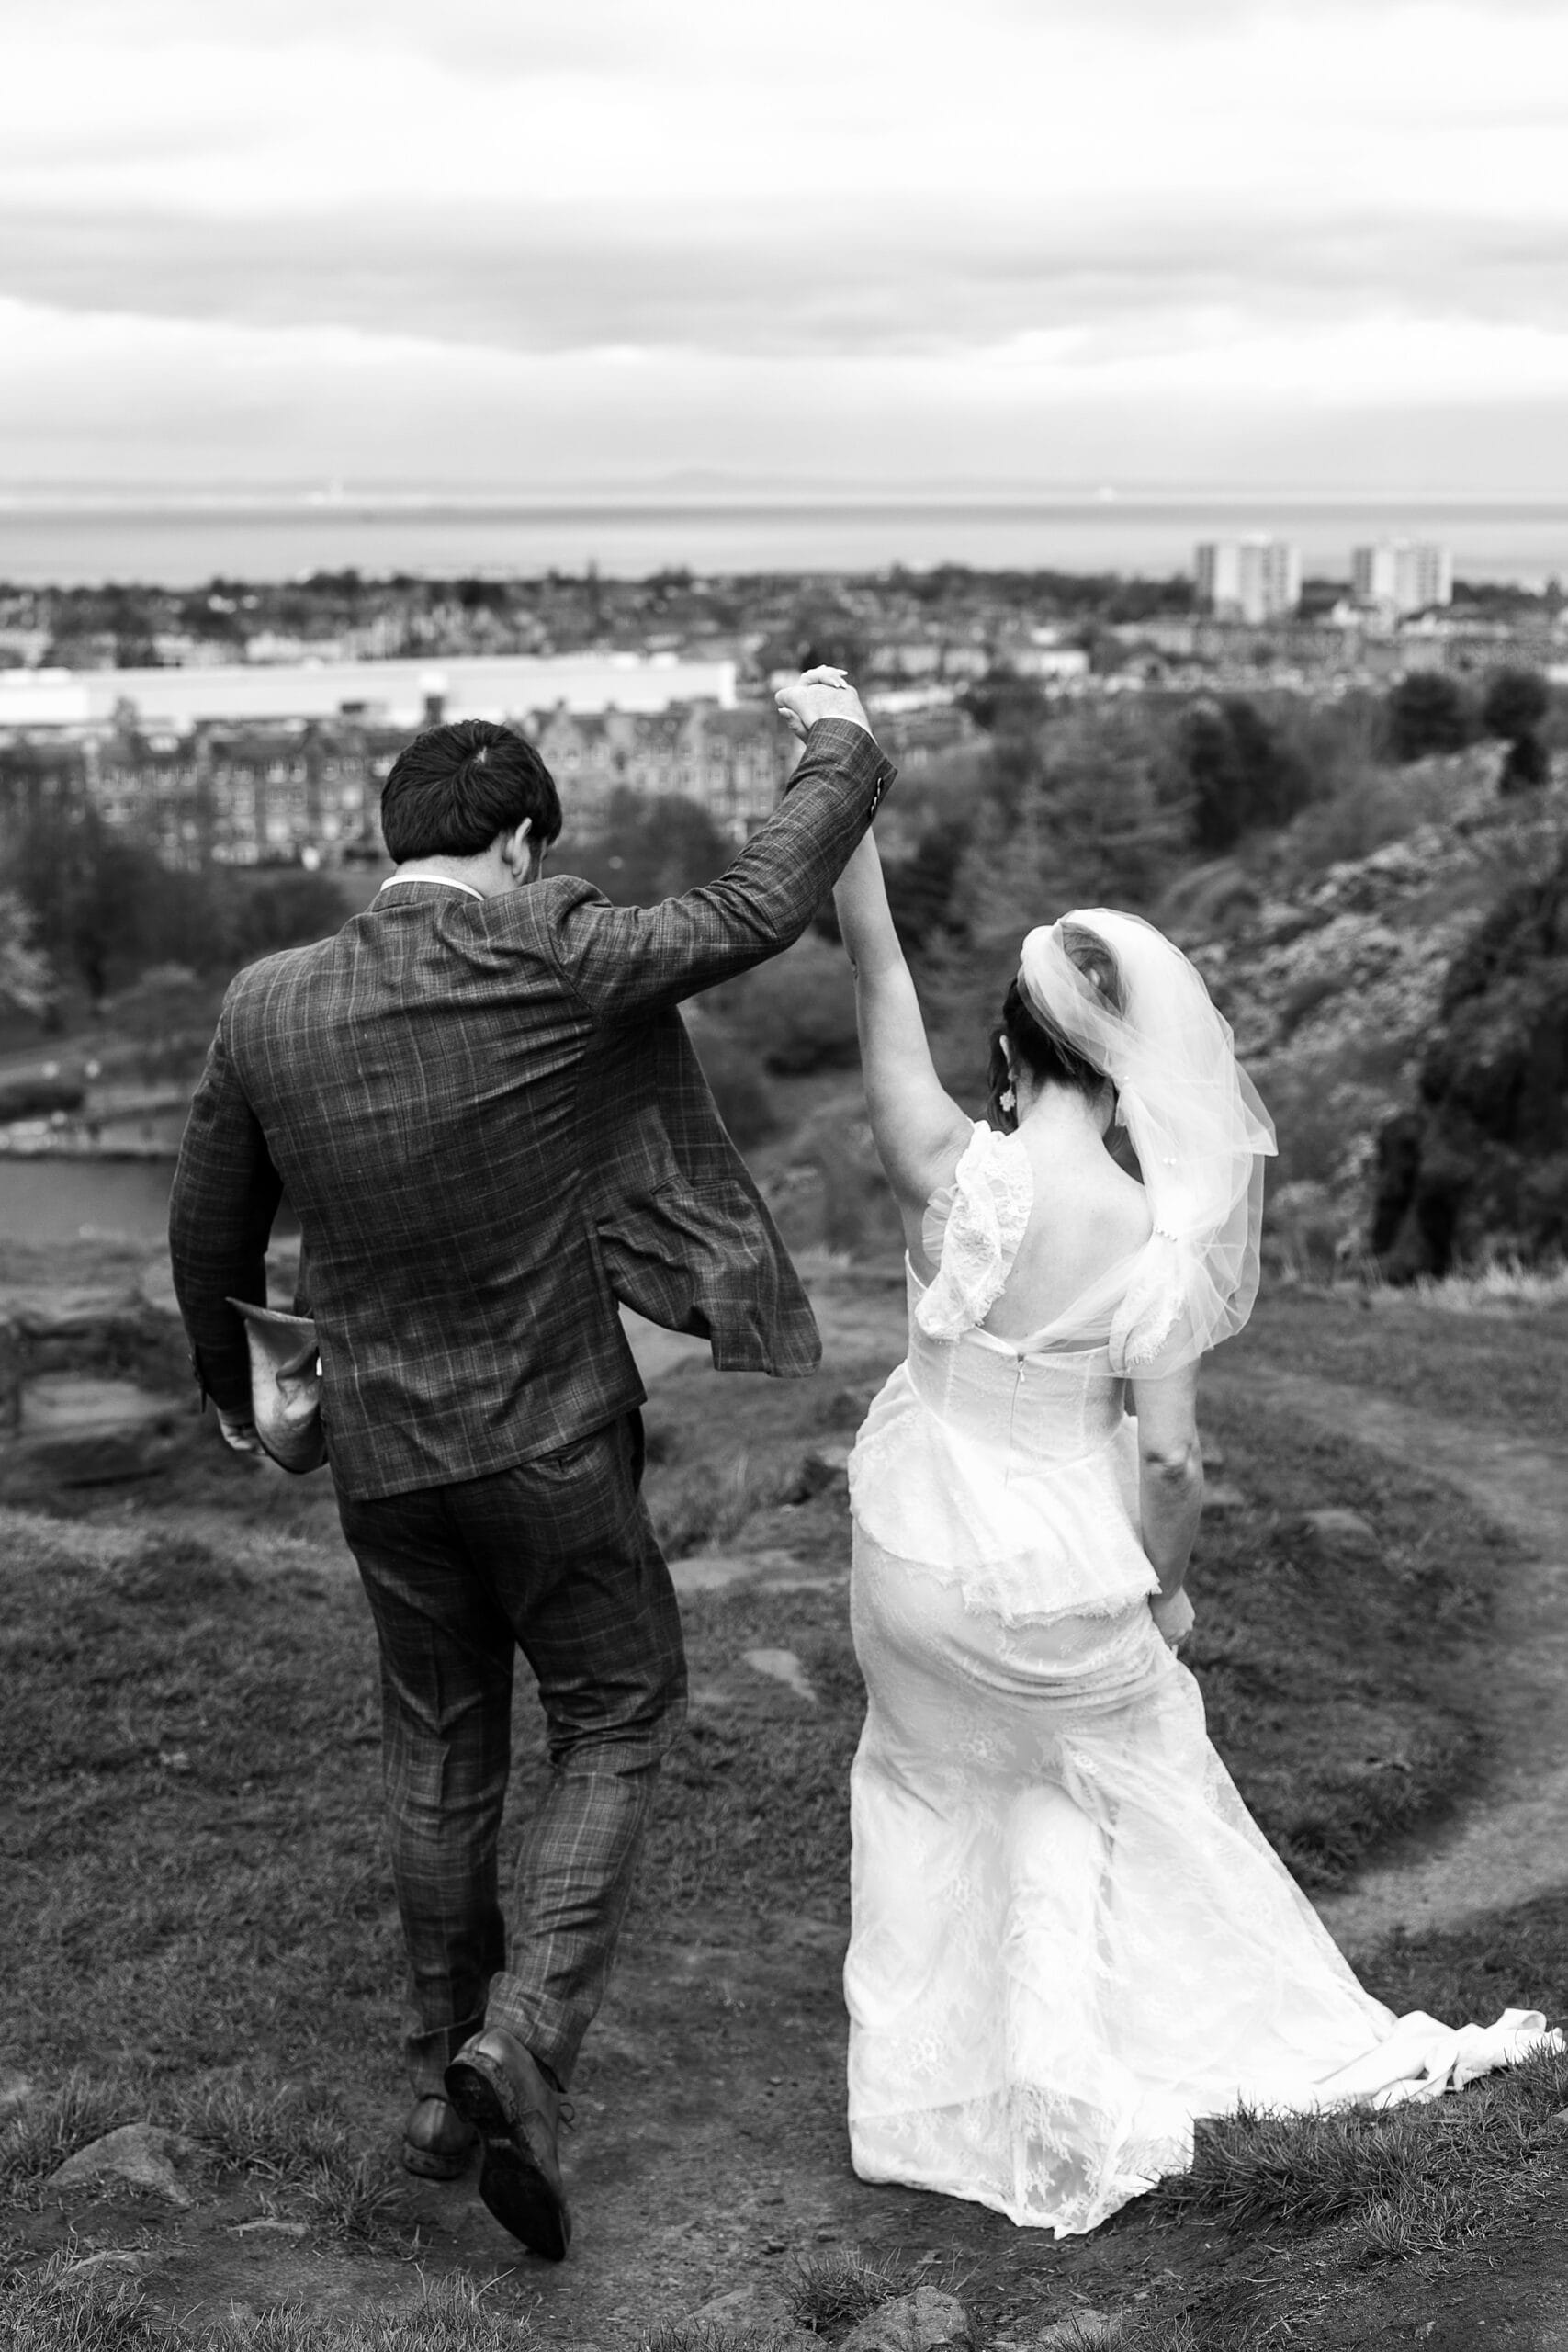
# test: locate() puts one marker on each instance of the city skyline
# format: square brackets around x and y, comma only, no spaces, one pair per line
[1243,240]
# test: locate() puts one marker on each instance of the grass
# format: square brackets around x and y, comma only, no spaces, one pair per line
[1474,1970]
[67,2305]
[1413,2176]
[191,1754]
[290,2143]
[1379,1639]
[1332,1682]
[1480,1351]
[713,2335]
[703,1507]
[831,2292]
[282,2136]
[1505,1283]
[191,1845]
[193,1750]
[36,2139]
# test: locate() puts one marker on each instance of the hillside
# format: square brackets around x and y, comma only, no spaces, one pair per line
[1334,978]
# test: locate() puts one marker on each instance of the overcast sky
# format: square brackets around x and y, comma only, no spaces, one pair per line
[1278,242]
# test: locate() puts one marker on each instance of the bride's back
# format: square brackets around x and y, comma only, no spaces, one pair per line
[1087,1216]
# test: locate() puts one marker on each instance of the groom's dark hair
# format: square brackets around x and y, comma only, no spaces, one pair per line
[454,788]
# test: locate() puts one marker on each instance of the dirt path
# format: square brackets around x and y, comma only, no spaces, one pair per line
[1504,1842]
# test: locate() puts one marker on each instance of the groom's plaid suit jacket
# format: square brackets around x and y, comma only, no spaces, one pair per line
[492,1125]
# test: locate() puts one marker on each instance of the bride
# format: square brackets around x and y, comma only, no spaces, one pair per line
[1069,1937]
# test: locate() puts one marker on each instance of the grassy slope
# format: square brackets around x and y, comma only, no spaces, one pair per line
[191,1846]
[1507,1368]
[1331,1680]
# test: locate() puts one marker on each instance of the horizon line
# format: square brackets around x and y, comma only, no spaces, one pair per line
[674,491]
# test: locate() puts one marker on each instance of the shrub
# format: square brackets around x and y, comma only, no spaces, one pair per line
[1428,712]
[1515,703]
[797,1013]
[650,846]
[744,1100]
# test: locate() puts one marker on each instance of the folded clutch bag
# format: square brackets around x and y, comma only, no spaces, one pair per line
[286,1386]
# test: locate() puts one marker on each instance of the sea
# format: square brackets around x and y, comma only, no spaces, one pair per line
[183,543]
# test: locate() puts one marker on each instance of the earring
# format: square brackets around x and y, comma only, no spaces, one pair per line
[1007,1099]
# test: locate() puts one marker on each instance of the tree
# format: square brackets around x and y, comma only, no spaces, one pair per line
[261,913]
[920,886]
[818,628]
[103,905]
[1516,703]
[1240,772]
[796,1012]
[1082,813]
[1527,766]
[84,889]
[27,983]
[1004,704]
[650,848]
[1426,713]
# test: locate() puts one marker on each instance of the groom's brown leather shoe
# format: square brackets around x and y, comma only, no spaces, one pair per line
[498,2085]
[437,2140]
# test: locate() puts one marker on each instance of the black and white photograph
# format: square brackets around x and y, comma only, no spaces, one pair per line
[783,1176]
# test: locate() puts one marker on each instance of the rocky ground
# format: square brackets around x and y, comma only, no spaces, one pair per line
[1333,985]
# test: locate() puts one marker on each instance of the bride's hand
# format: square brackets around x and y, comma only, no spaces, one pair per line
[1172,1613]
[819,694]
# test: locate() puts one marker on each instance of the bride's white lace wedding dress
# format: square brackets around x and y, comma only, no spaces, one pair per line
[1069,1939]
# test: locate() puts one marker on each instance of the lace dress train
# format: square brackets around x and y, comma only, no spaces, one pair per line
[1069,1937]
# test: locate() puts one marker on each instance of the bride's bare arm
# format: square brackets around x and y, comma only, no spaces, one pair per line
[1170,1473]
[920,1130]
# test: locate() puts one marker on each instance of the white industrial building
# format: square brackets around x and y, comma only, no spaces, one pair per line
[405,693]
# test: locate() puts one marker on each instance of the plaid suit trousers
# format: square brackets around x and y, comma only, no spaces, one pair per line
[557,1558]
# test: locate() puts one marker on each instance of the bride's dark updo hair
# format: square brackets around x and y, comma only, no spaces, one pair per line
[1039,1046]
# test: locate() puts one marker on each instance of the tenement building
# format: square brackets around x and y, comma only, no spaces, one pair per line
[306,791]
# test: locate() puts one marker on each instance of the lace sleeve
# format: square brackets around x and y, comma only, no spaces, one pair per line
[972,1232]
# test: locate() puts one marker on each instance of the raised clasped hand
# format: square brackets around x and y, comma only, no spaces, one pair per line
[823,693]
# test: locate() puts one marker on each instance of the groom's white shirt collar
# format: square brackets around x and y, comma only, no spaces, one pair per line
[446,882]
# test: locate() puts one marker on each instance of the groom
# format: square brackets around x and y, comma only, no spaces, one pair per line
[481,1100]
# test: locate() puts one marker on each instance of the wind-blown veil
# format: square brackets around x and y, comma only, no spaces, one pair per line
[1196,1124]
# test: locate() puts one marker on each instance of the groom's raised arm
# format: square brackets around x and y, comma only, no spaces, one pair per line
[625,962]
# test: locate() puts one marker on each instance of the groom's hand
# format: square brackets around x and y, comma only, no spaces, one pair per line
[239,1432]
[819,694]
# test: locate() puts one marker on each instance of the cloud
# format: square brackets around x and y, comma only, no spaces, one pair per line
[1072,107]
[637,216]
[898,280]
[174,399]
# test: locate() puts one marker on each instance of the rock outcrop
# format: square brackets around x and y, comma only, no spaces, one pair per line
[1371,994]
[1479,1166]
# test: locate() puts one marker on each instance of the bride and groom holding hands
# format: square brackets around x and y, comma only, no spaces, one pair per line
[1070,1940]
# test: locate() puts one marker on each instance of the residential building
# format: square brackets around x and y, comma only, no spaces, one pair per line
[1402,575]
[1058,665]
[732,762]
[1253,579]
[241,795]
